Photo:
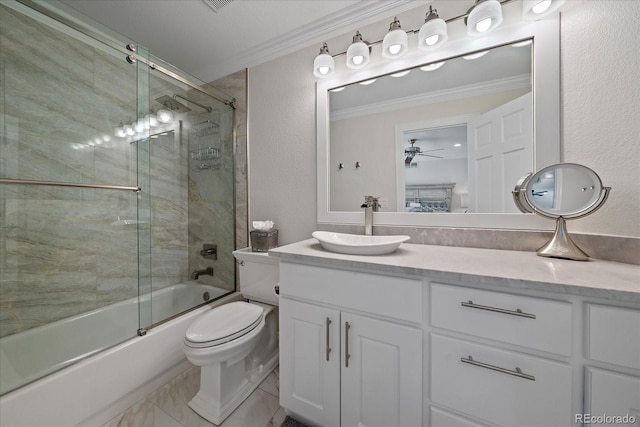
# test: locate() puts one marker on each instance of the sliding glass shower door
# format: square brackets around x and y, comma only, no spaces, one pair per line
[109,190]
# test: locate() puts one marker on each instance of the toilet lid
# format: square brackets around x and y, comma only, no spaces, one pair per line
[224,323]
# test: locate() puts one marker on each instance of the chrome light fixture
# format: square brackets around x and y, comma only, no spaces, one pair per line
[433,32]
[484,17]
[537,9]
[395,42]
[324,66]
[358,53]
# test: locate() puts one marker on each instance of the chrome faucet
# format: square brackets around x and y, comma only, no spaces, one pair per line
[370,206]
[197,273]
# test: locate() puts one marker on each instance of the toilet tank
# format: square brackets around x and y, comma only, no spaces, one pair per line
[258,275]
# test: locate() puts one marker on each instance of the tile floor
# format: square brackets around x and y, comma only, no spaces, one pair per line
[167,406]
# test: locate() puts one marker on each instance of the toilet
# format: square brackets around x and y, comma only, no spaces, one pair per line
[236,344]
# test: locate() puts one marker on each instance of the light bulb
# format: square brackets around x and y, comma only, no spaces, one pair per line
[164,116]
[483,25]
[324,66]
[395,43]
[484,17]
[401,73]
[357,53]
[128,129]
[541,7]
[139,126]
[433,32]
[119,131]
[533,10]
[431,40]
[432,67]
[150,120]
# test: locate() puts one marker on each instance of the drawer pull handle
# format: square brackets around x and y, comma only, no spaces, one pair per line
[516,373]
[346,344]
[328,349]
[516,312]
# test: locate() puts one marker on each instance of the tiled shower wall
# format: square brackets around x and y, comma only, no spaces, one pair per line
[65,251]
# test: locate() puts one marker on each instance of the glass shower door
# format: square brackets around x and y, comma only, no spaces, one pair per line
[68,199]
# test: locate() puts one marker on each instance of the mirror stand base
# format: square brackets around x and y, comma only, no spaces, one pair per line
[561,245]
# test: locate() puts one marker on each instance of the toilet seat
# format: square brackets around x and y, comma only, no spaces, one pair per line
[223,324]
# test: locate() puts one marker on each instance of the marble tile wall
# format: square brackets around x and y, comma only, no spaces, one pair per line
[64,251]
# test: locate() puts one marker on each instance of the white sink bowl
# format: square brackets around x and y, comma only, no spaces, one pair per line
[356,244]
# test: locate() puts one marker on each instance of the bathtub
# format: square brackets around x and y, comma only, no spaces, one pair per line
[95,389]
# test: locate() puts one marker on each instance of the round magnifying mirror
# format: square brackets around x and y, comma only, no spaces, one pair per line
[562,191]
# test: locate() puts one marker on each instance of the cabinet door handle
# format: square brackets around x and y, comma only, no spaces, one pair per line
[516,373]
[346,344]
[516,312]
[327,348]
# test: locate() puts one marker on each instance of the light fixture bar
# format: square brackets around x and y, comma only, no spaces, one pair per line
[455,18]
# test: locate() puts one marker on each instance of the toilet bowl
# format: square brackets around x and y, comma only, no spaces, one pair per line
[236,344]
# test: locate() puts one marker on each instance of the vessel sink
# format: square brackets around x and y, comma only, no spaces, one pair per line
[356,244]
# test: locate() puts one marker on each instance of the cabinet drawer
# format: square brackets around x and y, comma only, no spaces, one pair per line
[441,418]
[394,297]
[529,322]
[493,390]
[622,347]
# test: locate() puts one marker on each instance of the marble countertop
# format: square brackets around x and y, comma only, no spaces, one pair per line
[513,269]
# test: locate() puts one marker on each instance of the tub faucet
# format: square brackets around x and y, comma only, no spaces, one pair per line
[197,273]
[370,206]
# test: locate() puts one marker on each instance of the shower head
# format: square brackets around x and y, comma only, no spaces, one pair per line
[172,104]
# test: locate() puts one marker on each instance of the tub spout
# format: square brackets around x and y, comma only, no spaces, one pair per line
[197,273]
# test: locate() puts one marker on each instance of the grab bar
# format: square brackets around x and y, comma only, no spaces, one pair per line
[67,184]
[516,373]
[516,312]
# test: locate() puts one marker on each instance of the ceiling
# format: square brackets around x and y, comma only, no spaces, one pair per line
[210,39]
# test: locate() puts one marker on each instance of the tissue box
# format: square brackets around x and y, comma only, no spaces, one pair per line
[262,241]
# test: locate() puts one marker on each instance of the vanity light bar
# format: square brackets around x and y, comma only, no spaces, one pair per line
[433,31]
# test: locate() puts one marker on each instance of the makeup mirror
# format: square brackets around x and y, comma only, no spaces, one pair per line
[563,191]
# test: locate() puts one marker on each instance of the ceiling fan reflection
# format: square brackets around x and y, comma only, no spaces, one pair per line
[413,150]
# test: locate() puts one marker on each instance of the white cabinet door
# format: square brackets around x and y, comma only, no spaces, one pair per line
[381,373]
[612,396]
[309,363]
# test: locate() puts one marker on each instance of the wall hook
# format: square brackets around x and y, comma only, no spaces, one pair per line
[340,166]
[358,165]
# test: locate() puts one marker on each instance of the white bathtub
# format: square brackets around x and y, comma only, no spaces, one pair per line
[93,390]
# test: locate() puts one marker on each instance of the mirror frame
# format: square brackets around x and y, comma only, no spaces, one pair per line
[546,118]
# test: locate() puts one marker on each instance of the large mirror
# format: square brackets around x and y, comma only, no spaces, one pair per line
[419,135]
[443,144]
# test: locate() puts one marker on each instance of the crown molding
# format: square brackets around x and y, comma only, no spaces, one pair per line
[338,23]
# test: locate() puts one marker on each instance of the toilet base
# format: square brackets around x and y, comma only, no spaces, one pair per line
[223,388]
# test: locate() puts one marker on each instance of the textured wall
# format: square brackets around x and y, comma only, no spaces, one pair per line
[601,106]
[599,42]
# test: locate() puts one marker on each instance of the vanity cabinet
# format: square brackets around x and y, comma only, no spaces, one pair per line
[448,337]
[349,357]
